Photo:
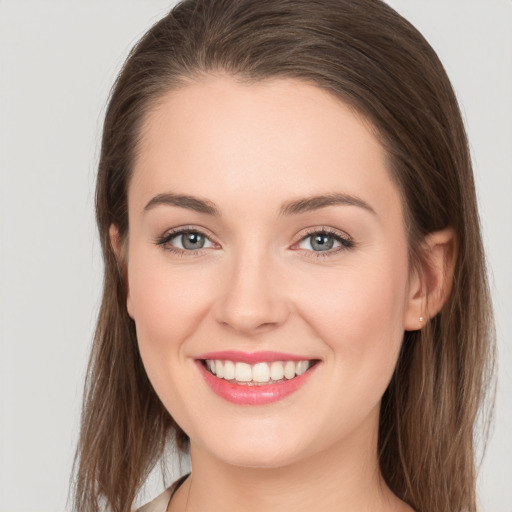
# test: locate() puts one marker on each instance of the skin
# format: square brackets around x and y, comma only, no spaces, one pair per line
[258,285]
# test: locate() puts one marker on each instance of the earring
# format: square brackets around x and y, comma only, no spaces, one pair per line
[421,319]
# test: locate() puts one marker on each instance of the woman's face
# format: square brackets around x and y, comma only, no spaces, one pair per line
[265,230]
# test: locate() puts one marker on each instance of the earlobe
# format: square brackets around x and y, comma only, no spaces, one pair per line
[431,283]
[119,251]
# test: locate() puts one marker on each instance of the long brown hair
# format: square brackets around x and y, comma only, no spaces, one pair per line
[367,55]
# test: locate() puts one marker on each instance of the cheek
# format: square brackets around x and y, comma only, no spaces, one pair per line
[167,306]
[359,312]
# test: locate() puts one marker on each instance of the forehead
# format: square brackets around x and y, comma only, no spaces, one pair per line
[220,138]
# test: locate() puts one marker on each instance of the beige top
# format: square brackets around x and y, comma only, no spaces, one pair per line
[161,502]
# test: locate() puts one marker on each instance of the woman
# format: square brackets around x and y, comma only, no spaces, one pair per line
[295,287]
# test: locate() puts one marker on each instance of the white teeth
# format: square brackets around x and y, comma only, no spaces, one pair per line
[257,373]
[243,372]
[276,370]
[261,372]
[229,370]
[289,370]
[301,367]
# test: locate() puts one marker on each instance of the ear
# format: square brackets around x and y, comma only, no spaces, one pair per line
[431,283]
[118,246]
[115,242]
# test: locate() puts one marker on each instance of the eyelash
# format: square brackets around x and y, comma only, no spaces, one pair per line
[164,240]
[346,242]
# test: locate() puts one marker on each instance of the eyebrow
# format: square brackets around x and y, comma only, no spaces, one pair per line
[294,207]
[308,204]
[183,201]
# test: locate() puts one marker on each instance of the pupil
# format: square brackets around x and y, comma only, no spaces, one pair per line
[322,242]
[192,241]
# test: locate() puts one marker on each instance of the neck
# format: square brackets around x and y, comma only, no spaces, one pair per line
[345,478]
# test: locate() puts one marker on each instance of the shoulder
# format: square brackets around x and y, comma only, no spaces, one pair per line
[161,502]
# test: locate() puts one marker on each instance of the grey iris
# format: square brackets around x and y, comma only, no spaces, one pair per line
[192,240]
[322,242]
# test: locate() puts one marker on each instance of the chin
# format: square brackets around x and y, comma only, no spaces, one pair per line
[257,457]
[268,451]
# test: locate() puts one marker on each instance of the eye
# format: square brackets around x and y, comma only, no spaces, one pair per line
[190,240]
[325,241]
[185,241]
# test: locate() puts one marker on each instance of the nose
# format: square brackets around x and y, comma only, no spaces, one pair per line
[252,299]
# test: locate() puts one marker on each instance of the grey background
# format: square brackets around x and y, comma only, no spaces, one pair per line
[58,60]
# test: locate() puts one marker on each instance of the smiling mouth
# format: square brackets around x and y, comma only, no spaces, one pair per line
[259,374]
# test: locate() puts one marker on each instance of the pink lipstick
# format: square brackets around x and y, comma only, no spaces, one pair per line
[256,378]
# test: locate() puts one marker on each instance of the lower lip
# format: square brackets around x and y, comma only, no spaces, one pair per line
[261,394]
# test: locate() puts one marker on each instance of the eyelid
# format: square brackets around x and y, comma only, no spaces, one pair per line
[164,240]
[345,240]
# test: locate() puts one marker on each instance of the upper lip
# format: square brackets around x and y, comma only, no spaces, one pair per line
[253,357]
